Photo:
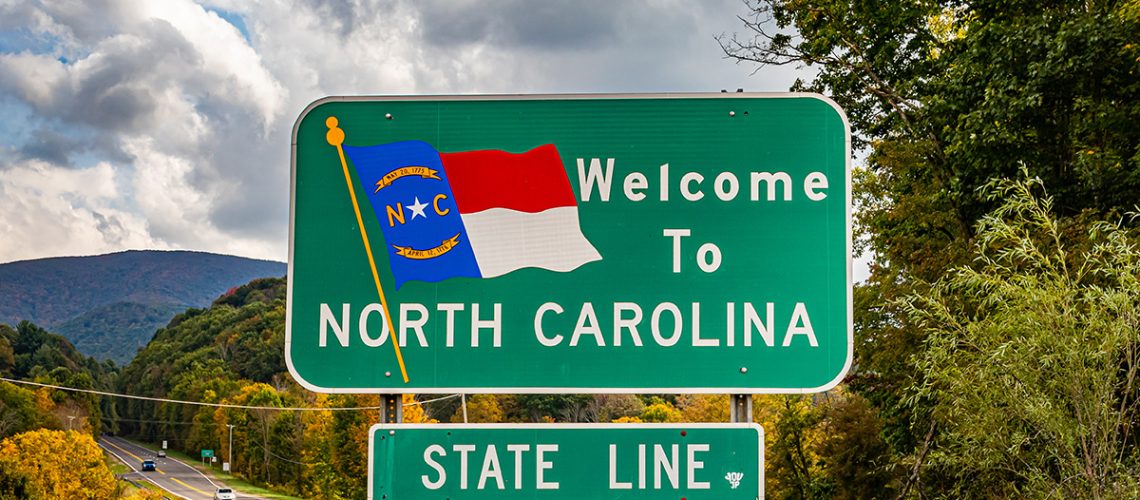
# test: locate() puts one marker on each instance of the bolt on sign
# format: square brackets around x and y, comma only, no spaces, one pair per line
[571,461]
[677,243]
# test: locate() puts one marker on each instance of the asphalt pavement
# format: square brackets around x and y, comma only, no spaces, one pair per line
[170,474]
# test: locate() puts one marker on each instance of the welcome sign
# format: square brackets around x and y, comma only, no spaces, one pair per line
[602,243]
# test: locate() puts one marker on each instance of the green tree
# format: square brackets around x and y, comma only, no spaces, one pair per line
[610,407]
[349,441]
[558,407]
[7,355]
[944,96]
[20,413]
[1032,357]
[793,467]
[854,457]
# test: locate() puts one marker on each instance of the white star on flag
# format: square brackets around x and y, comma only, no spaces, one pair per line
[417,208]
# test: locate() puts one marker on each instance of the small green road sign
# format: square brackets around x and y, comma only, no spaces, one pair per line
[566,461]
[207,453]
[674,243]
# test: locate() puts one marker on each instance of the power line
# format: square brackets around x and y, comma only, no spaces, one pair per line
[214,405]
[426,401]
[283,459]
[168,422]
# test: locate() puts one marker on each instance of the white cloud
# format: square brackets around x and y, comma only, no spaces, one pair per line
[34,78]
[228,66]
[159,85]
[50,210]
[192,121]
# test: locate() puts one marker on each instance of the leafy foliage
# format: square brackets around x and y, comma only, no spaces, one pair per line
[19,411]
[481,408]
[232,353]
[659,410]
[827,446]
[116,331]
[29,352]
[1032,357]
[48,464]
[945,96]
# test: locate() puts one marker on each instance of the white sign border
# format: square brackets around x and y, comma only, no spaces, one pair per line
[411,388]
[681,426]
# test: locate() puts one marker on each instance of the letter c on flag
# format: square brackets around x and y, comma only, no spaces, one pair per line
[435,204]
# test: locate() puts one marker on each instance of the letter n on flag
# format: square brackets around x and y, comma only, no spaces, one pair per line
[476,214]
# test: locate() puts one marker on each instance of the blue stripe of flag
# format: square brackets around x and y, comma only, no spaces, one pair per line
[427,206]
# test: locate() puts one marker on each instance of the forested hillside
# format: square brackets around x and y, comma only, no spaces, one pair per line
[996,337]
[47,446]
[28,352]
[109,305]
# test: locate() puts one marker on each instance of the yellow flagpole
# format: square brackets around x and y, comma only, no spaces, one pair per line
[335,136]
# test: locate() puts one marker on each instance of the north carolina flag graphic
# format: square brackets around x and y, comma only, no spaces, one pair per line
[476,214]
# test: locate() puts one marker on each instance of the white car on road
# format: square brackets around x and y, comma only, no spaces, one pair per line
[225,494]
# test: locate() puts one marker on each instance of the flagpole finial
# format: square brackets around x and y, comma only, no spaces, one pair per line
[335,135]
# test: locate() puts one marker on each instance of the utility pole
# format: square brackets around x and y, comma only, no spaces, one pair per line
[70,418]
[230,459]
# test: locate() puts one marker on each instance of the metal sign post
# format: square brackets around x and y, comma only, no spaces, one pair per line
[393,409]
[740,410]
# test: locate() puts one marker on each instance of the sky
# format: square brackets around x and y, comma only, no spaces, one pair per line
[166,124]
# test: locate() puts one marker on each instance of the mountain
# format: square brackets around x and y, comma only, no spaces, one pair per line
[115,331]
[110,305]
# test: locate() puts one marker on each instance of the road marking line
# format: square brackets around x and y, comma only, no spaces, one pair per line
[179,462]
[188,486]
[124,451]
[136,457]
[136,471]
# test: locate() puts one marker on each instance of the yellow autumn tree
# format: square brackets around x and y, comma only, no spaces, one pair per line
[481,408]
[792,437]
[660,410]
[704,407]
[144,494]
[414,413]
[44,403]
[57,464]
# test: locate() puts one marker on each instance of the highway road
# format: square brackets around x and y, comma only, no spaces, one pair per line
[171,474]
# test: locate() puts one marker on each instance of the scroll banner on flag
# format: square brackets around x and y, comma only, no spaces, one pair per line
[475,214]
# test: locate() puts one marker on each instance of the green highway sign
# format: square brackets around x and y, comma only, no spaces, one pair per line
[207,453]
[554,461]
[672,243]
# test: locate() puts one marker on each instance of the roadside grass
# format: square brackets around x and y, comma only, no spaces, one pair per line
[128,489]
